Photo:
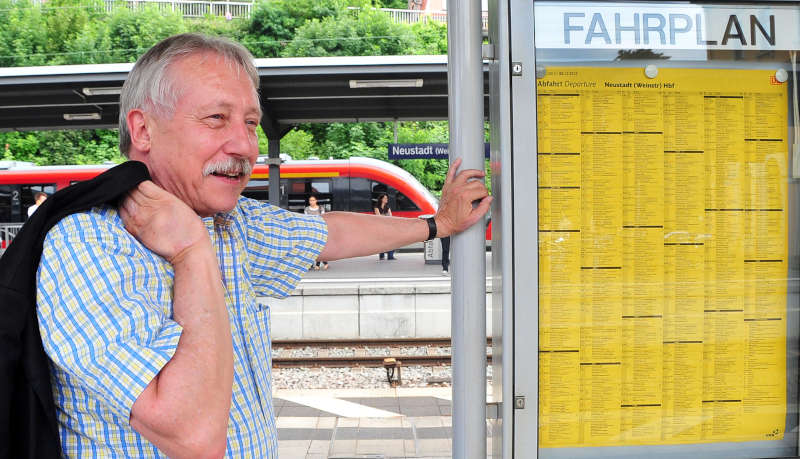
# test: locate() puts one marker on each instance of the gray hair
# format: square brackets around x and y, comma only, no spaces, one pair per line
[151,87]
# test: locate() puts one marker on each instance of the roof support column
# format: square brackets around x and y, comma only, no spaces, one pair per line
[465,104]
[275,133]
[274,161]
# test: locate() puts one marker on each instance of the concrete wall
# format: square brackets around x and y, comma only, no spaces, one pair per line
[374,310]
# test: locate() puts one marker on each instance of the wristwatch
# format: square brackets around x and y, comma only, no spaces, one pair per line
[431,228]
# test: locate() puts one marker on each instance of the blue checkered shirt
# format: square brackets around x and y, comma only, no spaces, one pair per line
[105,316]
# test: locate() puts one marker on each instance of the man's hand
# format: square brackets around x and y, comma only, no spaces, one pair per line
[162,222]
[456,212]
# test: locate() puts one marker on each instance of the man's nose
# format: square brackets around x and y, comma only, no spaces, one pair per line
[242,141]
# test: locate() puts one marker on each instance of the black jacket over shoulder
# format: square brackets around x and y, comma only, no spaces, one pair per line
[28,426]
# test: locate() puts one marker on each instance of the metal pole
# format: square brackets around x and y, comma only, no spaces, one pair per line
[274,153]
[465,103]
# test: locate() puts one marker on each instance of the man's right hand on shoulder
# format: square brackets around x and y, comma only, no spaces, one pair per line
[162,222]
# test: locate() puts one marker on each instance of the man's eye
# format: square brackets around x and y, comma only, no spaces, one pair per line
[216,116]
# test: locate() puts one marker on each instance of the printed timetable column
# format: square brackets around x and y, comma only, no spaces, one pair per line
[684,259]
[601,264]
[724,306]
[559,266]
[765,262]
[643,264]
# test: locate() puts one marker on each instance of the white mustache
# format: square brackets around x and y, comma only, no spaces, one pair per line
[230,166]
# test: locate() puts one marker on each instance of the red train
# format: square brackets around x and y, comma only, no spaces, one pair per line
[351,185]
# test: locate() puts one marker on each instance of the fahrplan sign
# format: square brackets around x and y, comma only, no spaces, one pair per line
[666,26]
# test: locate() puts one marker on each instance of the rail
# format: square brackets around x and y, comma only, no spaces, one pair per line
[415,16]
[189,8]
[320,348]
[7,233]
[237,10]
[231,10]
[364,342]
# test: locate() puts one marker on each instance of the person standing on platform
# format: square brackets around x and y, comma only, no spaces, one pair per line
[382,208]
[445,255]
[313,209]
[149,312]
[38,199]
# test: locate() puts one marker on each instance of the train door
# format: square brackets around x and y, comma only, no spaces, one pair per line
[651,309]
[360,194]
[341,193]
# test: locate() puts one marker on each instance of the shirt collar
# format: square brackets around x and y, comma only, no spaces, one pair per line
[222,221]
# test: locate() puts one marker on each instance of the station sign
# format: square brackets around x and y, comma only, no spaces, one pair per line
[666,26]
[424,150]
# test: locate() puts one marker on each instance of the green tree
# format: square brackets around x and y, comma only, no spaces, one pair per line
[368,33]
[93,146]
[431,37]
[395,4]
[125,35]
[64,20]
[78,147]
[298,144]
[23,36]
[22,146]
[273,23]
[219,26]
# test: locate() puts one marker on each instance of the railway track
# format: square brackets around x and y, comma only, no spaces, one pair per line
[395,352]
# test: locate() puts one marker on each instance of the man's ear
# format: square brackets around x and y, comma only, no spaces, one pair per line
[138,127]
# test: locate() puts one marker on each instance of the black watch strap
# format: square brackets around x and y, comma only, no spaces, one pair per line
[431,228]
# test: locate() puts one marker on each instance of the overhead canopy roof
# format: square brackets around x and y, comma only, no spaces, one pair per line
[293,90]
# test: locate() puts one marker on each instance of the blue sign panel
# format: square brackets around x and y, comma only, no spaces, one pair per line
[423,150]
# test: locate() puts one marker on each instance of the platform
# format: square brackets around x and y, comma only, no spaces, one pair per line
[410,263]
[364,298]
[364,423]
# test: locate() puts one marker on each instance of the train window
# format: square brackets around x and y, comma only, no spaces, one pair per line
[364,196]
[9,203]
[404,203]
[15,200]
[301,188]
[321,187]
[257,189]
[397,200]
[378,188]
[28,193]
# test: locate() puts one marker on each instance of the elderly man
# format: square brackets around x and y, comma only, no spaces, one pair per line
[148,311]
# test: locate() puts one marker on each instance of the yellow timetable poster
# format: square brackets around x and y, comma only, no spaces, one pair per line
[662,256]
